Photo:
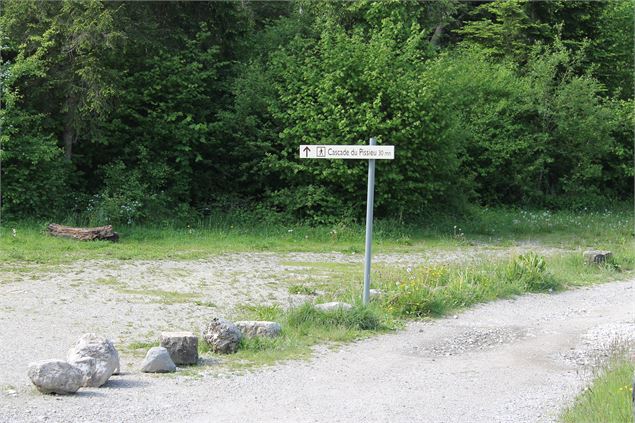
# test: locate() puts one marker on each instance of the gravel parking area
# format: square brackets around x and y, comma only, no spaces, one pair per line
[513,360]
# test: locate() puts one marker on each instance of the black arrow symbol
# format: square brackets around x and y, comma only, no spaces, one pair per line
[306,151]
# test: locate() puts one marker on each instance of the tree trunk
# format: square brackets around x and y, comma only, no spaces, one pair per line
[438,33]
[70,133]
[84,234]
[69,140]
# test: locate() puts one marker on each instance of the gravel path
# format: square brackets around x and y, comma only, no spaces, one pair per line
[514,360]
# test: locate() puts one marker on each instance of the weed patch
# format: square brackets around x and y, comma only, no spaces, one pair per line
[301,290]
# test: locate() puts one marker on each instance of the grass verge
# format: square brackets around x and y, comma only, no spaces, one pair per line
[407,293]
[27,242]
[608,398]
[304,327]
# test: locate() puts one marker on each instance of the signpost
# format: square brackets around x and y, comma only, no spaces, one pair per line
[371,153]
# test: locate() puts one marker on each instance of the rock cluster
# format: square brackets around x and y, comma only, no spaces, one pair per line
[90,362]
[94,359]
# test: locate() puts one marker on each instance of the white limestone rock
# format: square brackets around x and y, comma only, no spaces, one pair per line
[254,328]
[102,350]
[182,346]
[158,360]
[55,377]
[333,306]
[222,336]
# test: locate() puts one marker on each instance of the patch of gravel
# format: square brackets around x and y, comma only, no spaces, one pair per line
[600,342]
[466,340]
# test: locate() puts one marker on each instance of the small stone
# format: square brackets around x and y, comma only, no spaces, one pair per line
[597,257]
[376,294]
[222,336]
[332,306]
[104,353]
[253,328]
[55,377]
[158,360]
[182,347]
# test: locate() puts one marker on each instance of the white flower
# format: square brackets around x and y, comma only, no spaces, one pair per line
[14,232]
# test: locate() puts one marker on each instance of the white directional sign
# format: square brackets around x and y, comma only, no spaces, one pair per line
[365,152]
[371,153]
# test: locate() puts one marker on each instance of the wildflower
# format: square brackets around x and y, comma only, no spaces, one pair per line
[14,233]
[290,230]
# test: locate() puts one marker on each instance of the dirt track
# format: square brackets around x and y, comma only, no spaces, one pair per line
[513,360]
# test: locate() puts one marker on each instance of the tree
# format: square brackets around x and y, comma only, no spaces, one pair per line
[60,52]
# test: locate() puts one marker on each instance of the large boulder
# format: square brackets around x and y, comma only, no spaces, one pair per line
[102,350]
[158,360]
[252,328]
[333,306]
[55,377]
[597,257]
[88,366]
[182,346]
[222,336]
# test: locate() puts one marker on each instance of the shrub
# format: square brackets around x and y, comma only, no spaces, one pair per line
[531,271]
[124,198]
[418,293]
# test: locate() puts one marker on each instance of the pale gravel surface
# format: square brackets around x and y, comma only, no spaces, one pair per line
[514,360]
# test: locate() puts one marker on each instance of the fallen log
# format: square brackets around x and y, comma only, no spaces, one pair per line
[84,234]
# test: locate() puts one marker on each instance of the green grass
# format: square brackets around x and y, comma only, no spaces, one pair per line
[608,398]
[302,290]
[233,233]
[302,328]
[138,348]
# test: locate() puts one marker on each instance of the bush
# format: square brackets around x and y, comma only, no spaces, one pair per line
[35,176]
[124,199]
[531,271]
[418,293]
[342,86]
[537,135]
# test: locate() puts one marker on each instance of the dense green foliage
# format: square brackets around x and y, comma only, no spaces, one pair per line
[132,111]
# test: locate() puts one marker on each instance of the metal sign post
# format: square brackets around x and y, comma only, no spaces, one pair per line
[370,202]
[370,152]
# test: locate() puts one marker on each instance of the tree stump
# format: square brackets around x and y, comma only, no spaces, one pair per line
[84,234]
